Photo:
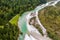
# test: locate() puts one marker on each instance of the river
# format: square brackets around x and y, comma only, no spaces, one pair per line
[29,31]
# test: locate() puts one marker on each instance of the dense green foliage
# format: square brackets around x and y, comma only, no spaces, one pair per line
[9,32]
[50,18]
[9,9]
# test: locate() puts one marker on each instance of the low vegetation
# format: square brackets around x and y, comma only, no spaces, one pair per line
[50,18]
[14,20]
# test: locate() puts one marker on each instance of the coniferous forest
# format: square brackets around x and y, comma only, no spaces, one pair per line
[8,10]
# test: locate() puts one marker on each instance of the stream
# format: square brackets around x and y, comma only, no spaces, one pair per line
[29,31]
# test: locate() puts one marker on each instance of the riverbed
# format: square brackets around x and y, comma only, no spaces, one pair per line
[29,31]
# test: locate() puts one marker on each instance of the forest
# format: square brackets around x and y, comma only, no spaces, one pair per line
[8,10]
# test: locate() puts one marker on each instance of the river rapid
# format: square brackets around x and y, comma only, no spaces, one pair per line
[29,31]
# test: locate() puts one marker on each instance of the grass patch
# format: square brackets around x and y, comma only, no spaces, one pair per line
[2,26]
[14,20]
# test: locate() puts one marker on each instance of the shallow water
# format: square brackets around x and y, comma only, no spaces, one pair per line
[23,28]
